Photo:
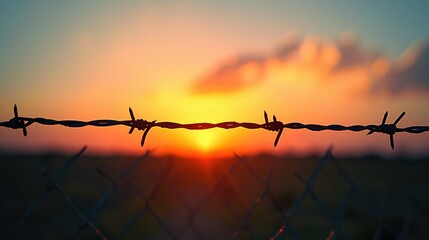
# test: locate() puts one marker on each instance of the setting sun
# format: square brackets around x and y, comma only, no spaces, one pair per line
[214,119]
[183,65]
[206,140]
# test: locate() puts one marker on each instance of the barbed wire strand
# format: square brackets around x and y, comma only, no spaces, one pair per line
[18,122]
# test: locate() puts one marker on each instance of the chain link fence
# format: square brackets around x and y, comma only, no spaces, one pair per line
[264,197]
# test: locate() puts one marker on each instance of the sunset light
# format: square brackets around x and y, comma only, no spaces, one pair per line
[272,119]
[184,65]
[206,140]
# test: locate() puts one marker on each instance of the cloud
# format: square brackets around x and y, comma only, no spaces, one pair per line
[410,73]
[232,75]
[326,60]
[353,54]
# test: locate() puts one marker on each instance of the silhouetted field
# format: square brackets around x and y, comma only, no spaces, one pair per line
[191,202]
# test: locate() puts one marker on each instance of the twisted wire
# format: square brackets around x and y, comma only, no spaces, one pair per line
[18,122]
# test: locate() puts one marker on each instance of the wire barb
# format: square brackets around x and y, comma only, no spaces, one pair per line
[389,129]
[16,122]
[141,125]
[275,126]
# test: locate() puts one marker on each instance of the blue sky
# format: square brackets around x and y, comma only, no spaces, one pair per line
[391,25]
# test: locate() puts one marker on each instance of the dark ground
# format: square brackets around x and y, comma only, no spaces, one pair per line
[391,198]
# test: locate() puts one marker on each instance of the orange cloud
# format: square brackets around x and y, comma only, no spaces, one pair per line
[324,60]
[233,75]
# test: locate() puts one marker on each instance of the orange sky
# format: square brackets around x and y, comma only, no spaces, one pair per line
[185,65]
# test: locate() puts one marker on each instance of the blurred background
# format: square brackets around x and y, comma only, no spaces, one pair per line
[259,197]
[330,62]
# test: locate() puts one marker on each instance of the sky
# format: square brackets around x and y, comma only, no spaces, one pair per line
[344,62]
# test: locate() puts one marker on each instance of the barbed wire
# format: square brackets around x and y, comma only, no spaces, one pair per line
[275,125]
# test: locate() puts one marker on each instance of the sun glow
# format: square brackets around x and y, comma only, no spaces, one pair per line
[206,140]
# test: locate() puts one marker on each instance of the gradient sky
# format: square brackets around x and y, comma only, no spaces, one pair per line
[324,62]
